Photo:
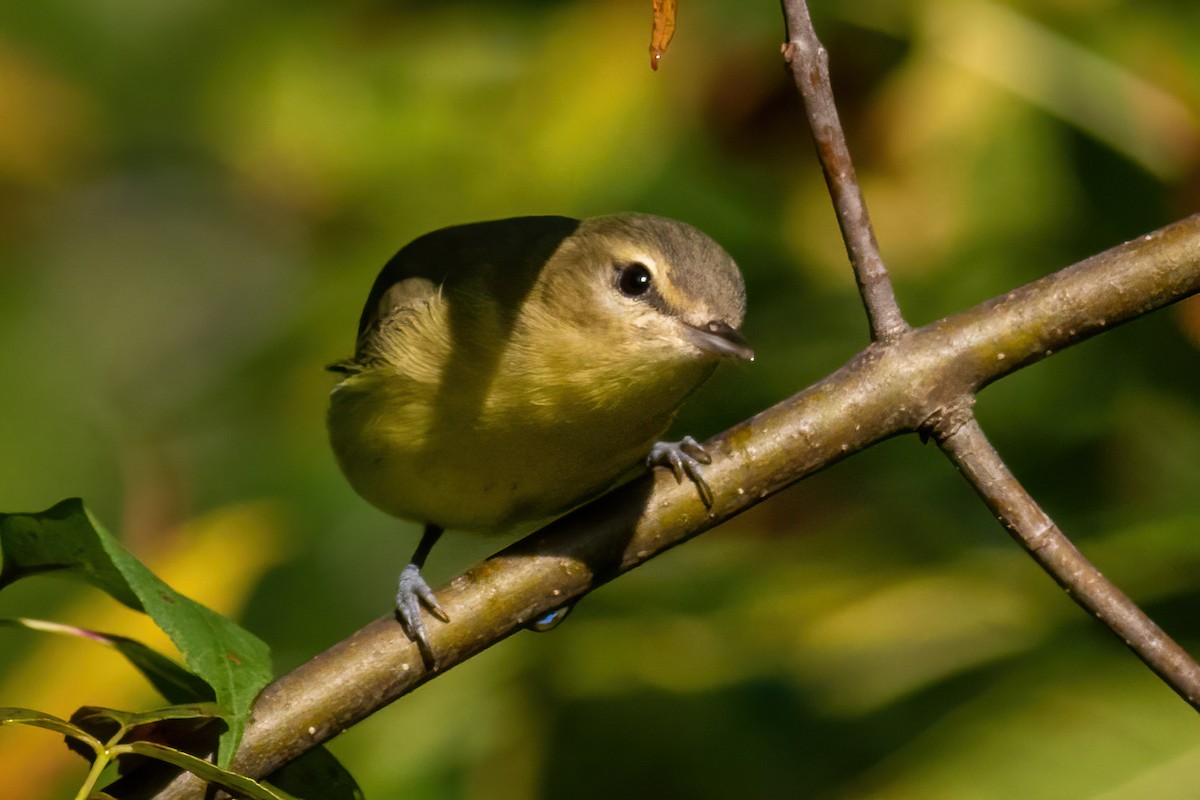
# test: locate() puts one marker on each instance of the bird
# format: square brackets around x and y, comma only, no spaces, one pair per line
[507,371]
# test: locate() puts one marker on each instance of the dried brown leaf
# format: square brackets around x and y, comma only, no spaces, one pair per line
[663,30]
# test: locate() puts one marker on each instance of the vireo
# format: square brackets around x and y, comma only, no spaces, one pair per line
[508,371]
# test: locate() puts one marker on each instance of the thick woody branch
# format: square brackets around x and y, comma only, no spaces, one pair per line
[809,64]
[963,441]
[882,392]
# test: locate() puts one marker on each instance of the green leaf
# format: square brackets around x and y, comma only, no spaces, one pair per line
[40,719]
[206,770]
[125,720]
[171,680]
[317,773]
[58,539]
[190,728]
[67,538]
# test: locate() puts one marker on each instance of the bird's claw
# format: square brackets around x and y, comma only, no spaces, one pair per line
[683,458]
[413,592]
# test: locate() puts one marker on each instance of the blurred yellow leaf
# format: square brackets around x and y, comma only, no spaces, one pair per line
[47,126]
[1146,124]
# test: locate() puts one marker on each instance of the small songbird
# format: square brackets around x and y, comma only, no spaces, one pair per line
[507,371]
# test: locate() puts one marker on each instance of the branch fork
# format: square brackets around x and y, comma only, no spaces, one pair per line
[953,425]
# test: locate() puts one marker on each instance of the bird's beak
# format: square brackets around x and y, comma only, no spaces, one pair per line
[720,339]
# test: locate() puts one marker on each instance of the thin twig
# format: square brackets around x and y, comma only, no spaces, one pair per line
[963,441]
[882,392]
[809,63]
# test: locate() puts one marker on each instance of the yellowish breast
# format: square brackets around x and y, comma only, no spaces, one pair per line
[485,428]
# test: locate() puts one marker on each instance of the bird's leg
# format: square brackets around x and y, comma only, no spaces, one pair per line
[415,592]
[683,458]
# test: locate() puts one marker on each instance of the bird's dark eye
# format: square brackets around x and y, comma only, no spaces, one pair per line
[634,279]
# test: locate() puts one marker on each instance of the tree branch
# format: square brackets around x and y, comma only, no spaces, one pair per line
[881,392]
[809,62]
[954,424]
[963,442]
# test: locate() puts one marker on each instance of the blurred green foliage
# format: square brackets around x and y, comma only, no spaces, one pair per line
[195,198]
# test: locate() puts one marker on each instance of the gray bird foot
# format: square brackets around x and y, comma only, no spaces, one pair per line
[412,593]
[683,458]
